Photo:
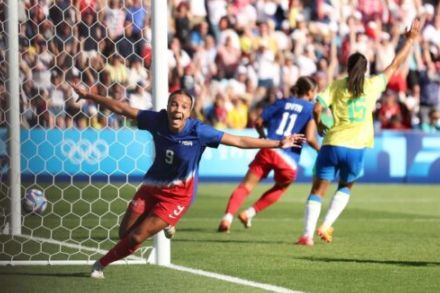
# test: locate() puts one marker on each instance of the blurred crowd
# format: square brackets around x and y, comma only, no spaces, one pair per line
[234,56]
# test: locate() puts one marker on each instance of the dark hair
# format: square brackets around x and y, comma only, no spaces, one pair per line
[302,86]
[357,66]
[182,92]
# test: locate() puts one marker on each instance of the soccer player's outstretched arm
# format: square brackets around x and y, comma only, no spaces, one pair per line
[117,107]
[246,142]
[402,55]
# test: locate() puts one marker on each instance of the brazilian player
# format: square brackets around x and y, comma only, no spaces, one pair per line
[352,101]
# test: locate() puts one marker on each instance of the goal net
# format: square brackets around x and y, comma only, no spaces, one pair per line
[86,161]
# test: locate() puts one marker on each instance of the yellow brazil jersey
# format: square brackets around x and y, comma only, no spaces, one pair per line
[353,117]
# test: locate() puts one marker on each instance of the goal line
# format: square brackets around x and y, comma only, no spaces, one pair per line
[131,259]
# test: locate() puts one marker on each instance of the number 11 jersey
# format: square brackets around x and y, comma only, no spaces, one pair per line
[285,117]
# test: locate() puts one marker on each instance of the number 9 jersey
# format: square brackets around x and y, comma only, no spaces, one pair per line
[177,155]
[353,117]
[285,117]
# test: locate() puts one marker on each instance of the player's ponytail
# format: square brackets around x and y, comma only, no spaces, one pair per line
[357,66]
[303,85]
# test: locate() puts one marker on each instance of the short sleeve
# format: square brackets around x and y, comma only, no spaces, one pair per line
[379,82]
[148,120]
[270,111]
[325,98]
[209,136]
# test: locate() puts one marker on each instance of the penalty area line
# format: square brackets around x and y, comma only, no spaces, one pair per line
[235,280]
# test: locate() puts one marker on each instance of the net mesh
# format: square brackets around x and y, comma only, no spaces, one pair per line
[82,157]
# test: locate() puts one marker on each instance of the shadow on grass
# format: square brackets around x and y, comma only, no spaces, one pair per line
[46,274]
[373,261]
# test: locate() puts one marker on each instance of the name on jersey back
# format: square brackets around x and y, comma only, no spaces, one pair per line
[293,107]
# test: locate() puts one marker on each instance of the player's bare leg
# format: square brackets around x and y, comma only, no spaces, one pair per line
[128,221]
[142,230]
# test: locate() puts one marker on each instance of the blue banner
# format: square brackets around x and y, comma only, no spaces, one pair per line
[396,157]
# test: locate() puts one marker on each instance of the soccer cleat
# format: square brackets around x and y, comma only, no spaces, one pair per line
[224,227]
[97,271]
[169,231]
[245,220]
[305,240]
[326,234]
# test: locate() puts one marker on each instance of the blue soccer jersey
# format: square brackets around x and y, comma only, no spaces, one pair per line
[177,154]
[286,117]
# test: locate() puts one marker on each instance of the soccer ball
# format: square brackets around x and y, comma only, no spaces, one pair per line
[34,201]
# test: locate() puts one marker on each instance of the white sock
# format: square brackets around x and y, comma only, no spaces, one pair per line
[228,217]
[337,205]
[311,215]
[251,212]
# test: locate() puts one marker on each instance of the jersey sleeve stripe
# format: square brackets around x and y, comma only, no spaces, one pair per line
[322,102]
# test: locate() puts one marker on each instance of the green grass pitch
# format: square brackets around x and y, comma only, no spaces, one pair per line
[385,241]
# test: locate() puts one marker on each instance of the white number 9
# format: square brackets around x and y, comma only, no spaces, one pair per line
[169,157]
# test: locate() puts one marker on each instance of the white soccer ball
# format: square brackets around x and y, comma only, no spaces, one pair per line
[34,201]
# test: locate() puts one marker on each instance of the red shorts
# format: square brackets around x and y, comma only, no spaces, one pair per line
[169,204]
[267,160]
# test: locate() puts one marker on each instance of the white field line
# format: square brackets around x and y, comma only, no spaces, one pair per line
[74,246]
[235,280]
[434,218]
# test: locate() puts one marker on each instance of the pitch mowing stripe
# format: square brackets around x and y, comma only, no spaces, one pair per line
[234,280]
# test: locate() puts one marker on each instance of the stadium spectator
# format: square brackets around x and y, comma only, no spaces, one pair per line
[137,14]
[114,18]
[433,125]
[227,60]
[140,98]
[56,102]
[182,24]
[90,33]
[117,69]
[352,101]
[393,114]
[95,30]
[278,119]
[170,183]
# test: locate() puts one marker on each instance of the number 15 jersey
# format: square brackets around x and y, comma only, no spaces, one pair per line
[285,117]
[353,117]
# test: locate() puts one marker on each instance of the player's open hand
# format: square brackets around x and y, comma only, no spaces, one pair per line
[294,140]
[413,32]
[322,128]
[80,90]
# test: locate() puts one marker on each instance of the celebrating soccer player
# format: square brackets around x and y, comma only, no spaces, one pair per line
[169,184]
[284,117]
[352,101]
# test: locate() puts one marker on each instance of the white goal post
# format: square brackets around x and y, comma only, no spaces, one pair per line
[88,175]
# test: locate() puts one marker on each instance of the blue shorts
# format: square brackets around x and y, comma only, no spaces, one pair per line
[333,159]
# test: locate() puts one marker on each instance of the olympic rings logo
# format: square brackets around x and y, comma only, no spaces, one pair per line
[84,150]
